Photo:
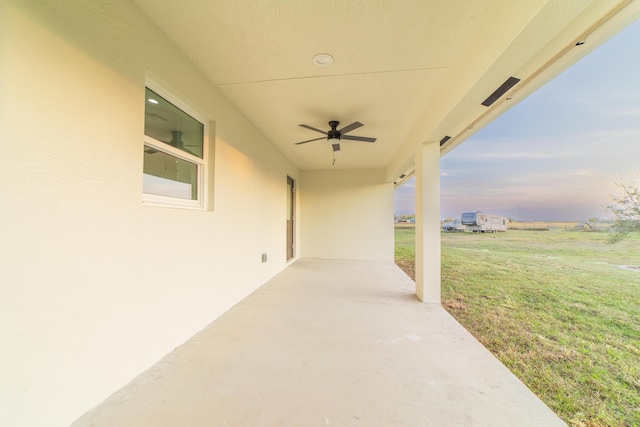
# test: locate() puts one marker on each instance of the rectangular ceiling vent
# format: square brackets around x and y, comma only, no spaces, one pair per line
[511,81]
[444,140]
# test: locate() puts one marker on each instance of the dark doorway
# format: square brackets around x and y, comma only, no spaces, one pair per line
[291,199]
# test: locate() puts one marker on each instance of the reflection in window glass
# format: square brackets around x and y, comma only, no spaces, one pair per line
[167,123]
[167,175]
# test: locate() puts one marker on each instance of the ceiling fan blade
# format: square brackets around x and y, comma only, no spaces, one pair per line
[312,128]
[349,128]
[336,147]
[358,138]
[311,140]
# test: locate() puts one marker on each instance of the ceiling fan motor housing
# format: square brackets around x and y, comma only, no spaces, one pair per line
[333,133]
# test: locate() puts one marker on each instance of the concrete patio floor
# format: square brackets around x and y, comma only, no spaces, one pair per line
[328,343]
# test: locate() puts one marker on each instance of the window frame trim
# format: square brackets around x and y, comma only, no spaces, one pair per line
[202,164]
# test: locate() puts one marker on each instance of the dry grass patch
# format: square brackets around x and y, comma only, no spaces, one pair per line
[543,225]
[456,303]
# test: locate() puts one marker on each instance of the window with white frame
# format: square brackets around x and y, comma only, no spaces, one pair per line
[174,153]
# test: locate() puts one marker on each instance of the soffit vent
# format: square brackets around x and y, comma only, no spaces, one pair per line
[444,140]
[511,81]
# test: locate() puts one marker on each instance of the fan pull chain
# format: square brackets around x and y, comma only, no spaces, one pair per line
[334,159]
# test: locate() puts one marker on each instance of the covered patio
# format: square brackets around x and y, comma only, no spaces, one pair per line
[172,166]
[328,342]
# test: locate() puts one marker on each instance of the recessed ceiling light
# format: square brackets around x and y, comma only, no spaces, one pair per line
[323,60]
[153,101]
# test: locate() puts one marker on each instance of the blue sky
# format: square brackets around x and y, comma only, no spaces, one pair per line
[556,154]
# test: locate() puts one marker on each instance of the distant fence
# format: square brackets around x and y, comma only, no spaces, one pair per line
[559,225]
[541,225]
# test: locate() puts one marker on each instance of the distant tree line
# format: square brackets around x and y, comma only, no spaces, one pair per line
[404,217]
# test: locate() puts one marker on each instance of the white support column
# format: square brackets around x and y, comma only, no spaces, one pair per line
[427,197]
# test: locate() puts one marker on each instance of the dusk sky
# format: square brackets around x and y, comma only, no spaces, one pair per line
[556,154]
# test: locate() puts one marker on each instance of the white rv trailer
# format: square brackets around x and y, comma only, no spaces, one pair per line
[483,223]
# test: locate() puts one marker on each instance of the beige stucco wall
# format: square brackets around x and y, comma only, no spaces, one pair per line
[346,214]
[95,287]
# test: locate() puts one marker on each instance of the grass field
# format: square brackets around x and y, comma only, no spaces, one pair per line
[558,308]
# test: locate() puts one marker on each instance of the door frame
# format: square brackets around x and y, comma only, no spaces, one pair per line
[291,218]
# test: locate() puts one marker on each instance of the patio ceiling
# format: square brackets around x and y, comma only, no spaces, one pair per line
[411,71]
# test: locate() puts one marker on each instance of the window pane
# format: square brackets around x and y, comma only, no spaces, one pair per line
[166,175]
[167,123]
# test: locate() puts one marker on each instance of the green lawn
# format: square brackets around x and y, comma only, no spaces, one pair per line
[554,307]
